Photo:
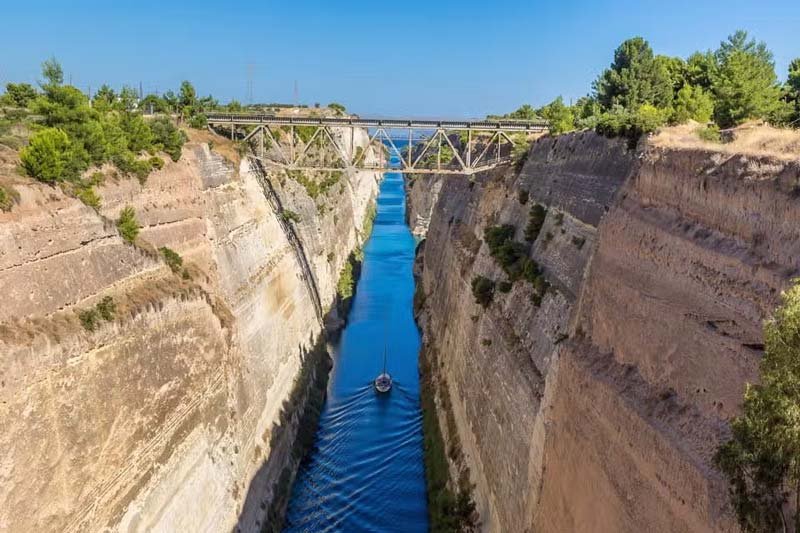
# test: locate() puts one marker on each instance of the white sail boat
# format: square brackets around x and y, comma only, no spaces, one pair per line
[383,383]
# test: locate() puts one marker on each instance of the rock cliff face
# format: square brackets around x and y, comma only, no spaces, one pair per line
[600,409]
[160,419]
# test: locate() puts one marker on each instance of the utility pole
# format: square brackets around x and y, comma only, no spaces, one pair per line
[296,94]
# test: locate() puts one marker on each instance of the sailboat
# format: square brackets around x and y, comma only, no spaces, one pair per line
[383,383]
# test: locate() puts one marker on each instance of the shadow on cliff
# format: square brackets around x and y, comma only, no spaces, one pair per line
[291,437]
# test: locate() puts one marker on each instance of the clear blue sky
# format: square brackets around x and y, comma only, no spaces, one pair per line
[427,58]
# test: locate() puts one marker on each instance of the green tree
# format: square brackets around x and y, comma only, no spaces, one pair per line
[793,85]
[692,103]
[20,94]
[700,69]
[674,69]
[104,98]
[559,115]
[745,84]
[634,78]
[52,72]
[339,108]
[187,96]
[50,157]
[762,458]
[152,103]
[128,99]
[525,112]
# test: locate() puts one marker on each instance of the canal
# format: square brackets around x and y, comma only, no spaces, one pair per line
[365,471]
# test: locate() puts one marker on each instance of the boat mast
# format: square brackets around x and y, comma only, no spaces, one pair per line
[384,356]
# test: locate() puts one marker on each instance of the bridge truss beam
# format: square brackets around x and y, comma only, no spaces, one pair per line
[479,155]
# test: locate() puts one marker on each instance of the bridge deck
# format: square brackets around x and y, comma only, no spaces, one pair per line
[357,122]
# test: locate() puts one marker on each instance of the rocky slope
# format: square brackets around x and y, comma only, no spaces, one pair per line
[600,409]
[161,418]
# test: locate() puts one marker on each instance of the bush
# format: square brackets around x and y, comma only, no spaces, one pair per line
[339,108]
[88,196]
[504,286]
[172,258]
[127,225]
[483,291]
[106,308]
[6,199]
[156,162]
[198,121]
[51,157]
[692,103]
[522,196]
[89,318]
[709,134]
[578,241]
[622,123]
[760,459]
[290,216]
[168,137]
[535,222]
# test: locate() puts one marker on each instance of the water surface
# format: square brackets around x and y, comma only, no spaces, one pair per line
[365,472]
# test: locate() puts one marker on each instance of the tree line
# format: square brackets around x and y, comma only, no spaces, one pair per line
[641,91]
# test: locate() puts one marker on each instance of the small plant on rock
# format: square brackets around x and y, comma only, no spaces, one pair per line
[127,225]
[483,291]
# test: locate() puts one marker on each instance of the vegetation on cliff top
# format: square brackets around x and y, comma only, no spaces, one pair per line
[762,459]
[641,91]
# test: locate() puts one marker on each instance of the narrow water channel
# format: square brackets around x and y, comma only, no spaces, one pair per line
[366,472]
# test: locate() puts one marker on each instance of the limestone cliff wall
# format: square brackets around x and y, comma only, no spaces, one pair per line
[160,419]
[600,409]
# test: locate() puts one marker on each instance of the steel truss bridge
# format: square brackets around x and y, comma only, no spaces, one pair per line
[487,142]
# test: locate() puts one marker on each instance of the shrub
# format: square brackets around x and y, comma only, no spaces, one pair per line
[344,287]
[522,196]
[172,258]
[762,456]
[290,216]
[156,162]
[106,308]
[87,195]
[692,103]
[519,153]
[167,137]
[51,157]
[578,241]
[535,222]
[504,286]
[127,225]
[483,291]
[709,133]
[198,121]
[19,94]
[6,199]
[89,318]
[339,108]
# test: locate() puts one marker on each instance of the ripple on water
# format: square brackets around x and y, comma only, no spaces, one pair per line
[365,471]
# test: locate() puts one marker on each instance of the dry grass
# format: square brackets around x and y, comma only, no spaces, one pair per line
[752,139]
[221,145]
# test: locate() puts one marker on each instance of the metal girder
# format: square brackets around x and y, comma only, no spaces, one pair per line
[465,163]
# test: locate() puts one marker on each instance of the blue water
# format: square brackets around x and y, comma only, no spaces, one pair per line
[366,472]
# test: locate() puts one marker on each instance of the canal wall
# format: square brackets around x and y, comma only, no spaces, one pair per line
[600,408]
[183,411]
